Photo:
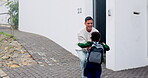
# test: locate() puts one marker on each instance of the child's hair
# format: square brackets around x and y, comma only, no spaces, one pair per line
[95,36]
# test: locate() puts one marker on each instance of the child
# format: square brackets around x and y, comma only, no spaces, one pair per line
[93,70]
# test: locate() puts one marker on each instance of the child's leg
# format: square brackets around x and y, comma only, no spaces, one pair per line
[90,70]
[91,74]
[98,72]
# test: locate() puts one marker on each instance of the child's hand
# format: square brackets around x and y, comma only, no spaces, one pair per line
[103,43]
[88,48]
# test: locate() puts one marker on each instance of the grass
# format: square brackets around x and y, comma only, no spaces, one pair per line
[8,35]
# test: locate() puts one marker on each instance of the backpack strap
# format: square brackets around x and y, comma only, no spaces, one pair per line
[97,45]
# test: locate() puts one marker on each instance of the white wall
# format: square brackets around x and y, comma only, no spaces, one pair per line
[127,34]
[58,20]
[110,34]
[3,9]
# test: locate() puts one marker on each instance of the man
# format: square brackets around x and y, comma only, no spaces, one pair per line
[83,37]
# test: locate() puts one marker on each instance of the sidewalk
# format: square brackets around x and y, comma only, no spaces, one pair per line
[56,62]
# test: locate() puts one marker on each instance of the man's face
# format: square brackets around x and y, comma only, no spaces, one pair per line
[89,25]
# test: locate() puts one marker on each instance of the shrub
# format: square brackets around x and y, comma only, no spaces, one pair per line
[13,7]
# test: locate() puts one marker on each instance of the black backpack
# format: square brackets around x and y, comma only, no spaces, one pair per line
[96,53]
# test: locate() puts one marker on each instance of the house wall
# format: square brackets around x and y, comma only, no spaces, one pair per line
[3,9]
[127,34]
[58,20]
[110,34]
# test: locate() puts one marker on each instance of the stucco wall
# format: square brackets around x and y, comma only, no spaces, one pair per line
[127,34]
[58,20]
[3,17]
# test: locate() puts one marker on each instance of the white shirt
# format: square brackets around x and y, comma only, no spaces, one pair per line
[84,36]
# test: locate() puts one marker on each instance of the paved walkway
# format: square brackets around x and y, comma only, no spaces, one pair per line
[56,62]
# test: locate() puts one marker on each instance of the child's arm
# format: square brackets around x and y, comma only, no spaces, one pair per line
[106,47]
[84,45]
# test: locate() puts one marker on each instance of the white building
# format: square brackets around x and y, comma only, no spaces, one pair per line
[124,26]
[3,9]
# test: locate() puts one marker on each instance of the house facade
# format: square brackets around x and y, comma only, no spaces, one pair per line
[123,23]
[3,9]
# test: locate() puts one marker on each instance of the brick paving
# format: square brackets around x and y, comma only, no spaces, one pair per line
[56,62]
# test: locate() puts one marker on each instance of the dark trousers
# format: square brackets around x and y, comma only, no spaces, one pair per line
[93,70]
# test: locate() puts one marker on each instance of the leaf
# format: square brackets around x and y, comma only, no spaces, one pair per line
[13,66]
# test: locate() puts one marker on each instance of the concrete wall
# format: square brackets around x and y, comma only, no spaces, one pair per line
[127,34]
[110,33]
[3,9]
[58,20]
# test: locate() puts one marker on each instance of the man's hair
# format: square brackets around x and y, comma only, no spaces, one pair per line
[95,36]
[88,18]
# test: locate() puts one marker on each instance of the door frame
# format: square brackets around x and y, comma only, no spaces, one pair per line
[99,15]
